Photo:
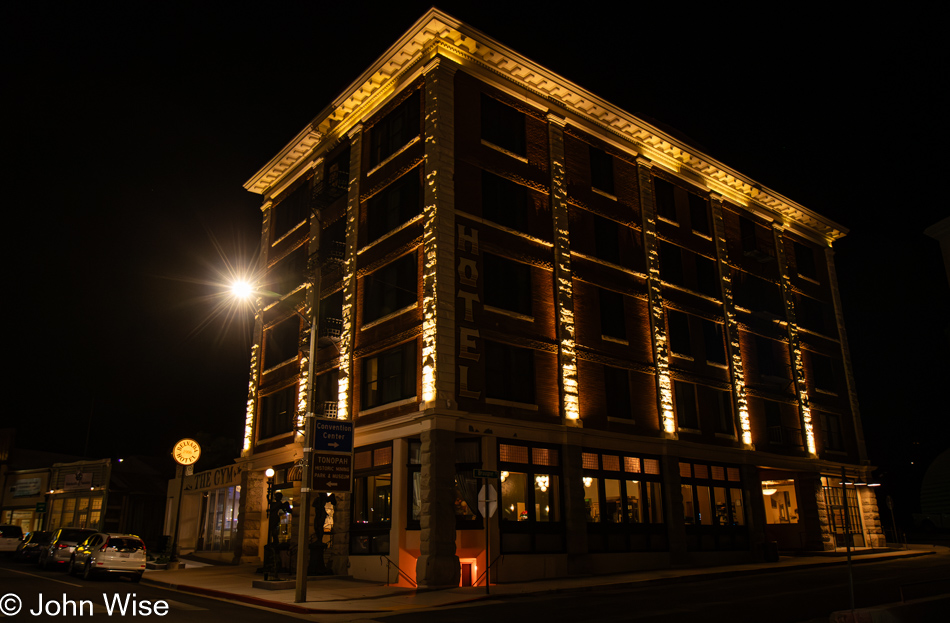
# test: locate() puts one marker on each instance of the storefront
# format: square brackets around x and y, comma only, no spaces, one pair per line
[78,495]
[209,512]
[24,499]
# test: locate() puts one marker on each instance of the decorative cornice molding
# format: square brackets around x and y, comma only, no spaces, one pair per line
[438,34]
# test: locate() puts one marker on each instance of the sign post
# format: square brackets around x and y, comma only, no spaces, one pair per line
[185,453]
[487,504]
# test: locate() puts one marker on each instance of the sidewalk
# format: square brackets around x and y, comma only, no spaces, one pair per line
[341,595]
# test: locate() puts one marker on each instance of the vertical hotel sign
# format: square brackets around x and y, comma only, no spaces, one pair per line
[468,280]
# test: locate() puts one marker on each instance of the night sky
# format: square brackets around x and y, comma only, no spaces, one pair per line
[130,129]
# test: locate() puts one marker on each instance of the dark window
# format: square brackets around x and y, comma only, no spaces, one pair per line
[810,314]
[606,239]
[277,413]
[757,294]
[769,364]
[331,316]
[391,288]
[722,412]
[617,392]
[291,211]
[509,372]
[671,263]
[805,261]
[699,214]
[747,235]
[372,499]
[507,284]
[707,281]
[504,202]
[503,126]
[601,170]
[679,333]
[831,431]
[823,372]
[612,317]
[289,272]
[394,205]
[665,199]
[333,240]
[784,429]
[715,342]
[326,390]
[281,342]
[395,129]
[389,376]
[685,397]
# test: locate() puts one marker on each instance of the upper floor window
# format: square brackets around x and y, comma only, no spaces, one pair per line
[671,263]
[680,342]
[395,129]
[722,412]
[507,284]
[684,399]
[707,279]
[504,202]
[503,126]
[509,372]
[281,342]
[390,288]
[601,170]
[805,261]
[714,341]
[394,205]
[617,392]
[699,214]
[769,362]
[665,199]
[823,372]
[277,411]
[612,316]
[290,212]
[389,376]
[289,272]
[810,313]
[606,239]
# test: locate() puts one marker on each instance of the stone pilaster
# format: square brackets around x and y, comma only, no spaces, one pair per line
[252,519]
[340,535]
[755,515]
[811,511]
[871,515]
[437,565]
[575,516]
[673,512]
[824,515]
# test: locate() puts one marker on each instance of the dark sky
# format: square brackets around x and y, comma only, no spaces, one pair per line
[130,129]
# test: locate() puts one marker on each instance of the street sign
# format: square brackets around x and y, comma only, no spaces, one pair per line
[332,435]
[41,507]
[331,472]
[487,473]
[492,499]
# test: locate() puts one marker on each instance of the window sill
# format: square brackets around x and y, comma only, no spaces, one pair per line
[725,436]
[621,420]
[666,220]
[809,279]
[716,364]
[836,452]
[702,235]
[280,436]
[615,340]
[604,193]
[679,356]
[491,145]
[392,232]
[289,233]
[378,321]
[826,392]
[279,365]
[389,405]
[511,403]
[505,312]
[691,431]
[393,156]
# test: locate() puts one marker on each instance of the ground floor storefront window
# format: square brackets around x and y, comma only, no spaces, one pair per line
[531,514]
[781,503]
[75,511]
[844,511]
[219,519]
[28,519]
[372,499]
[713,507]
[623,501]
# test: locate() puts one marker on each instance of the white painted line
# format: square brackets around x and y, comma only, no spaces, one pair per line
[43,577]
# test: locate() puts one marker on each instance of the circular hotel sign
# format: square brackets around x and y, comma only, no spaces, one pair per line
[186,451]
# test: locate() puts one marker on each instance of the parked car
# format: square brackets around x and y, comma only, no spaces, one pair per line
[61,546]
[10,537]
[29,548]
[109,553]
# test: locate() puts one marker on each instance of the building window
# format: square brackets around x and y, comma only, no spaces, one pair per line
[617,392]
[288,273]
[836,501]
[671,263]
[687,415]
[326,393]
[372,499]
[277,412]
[503,126]
[282,342]
[679,333]
[757,294]
[831,431]
[784,428]
[530,498]
[394,205]
[769,364]
[699,214]
[781,503]
[810,313]
[665,199]
[390,288]
[722,412]
[606,239]
[395,129]
[504,202]
[805,261]
[467,459]
[219,525]
[707,278]
[623,501]
[509,372]
[601,170]
[823,373]
[713,507]
[714,340]
[331,318]
[507,284]
[290,212]
[612,317]
[389,376]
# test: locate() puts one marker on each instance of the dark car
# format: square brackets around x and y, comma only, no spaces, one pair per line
[61,547]
[29,548]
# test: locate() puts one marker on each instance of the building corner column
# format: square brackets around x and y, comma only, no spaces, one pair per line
[438,565]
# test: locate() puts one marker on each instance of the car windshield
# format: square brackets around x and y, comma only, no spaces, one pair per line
[11,532]
[75,535]
[125,544]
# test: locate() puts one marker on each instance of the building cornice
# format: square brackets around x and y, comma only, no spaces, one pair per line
[437,33]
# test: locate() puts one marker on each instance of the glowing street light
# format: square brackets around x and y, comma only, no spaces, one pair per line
[242,289]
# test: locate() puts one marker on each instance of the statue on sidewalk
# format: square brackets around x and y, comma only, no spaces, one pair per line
[318,564]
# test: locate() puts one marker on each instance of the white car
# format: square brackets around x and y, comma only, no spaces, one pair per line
[10,537]
[122,554]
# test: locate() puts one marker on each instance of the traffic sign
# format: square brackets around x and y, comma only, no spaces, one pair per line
[41,507]
[492,499]
[487,473]
[331,472]
[332,435]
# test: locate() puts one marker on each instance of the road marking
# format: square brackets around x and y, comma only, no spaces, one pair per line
[43,577]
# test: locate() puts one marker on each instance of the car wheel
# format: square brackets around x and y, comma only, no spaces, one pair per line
[87,571]
[136,577]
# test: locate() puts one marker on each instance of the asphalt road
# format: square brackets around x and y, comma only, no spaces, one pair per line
[103,599]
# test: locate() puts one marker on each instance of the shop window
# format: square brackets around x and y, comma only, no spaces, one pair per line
[394,130]
[665,199]
[713,507]
[617,392]
[507,284]
[281,342]
[372,499]
[714,340]
[781,503]
[707,279]
[530,498]
[389,376]
[219,524]
[671,263]
[293,210]
[699,214]
[503,126]
[606,239]
[277,412]
[685,402]
[612,317]
[823,372]
[390,288]
[394,205]
[679,333]
[467,459]
[805,261]
[509,372]
[601,170]
[504,202]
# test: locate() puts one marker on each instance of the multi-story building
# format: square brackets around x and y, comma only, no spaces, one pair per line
[518,276]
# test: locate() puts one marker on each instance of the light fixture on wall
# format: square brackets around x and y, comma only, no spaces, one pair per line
[769,491]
